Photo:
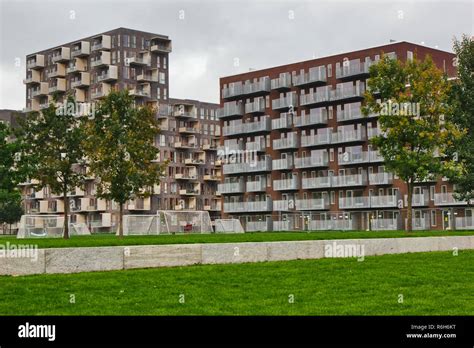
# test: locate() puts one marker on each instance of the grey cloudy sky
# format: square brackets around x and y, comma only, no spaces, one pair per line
[210,36]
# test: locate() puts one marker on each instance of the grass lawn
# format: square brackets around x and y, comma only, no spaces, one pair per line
[435,283]
[110,240]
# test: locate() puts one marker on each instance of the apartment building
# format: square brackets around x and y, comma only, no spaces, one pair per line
[297,153]
[123,58]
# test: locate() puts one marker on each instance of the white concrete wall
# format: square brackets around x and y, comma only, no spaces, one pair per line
[73,260]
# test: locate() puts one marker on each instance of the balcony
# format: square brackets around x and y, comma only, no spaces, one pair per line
[361,202]
[190,191]
[263,125]
[255,107]
[233,145]
[57,85]
[373,132]
[323,138]
[311,162]
[160,45]
[464,223]
[147,77]
[387,201]
[353,68]
[281,226]
[212,177]
[188,130]
[447,198]
[350,112]
[101,92]
[349,158]
[322,95]
[419,199]
[285,121]
[35,62]
[283,205]
[290,142]
[41,90]
[230,109]
[316,182]
[262,86]
[58,71]
[348,135]
[348,90]
[258,226]
[286,101]
[283,163]
[32,77]
[101,42]
[334,224]
[235,89]
[231,187]
[142,61]
[108,75]
[216,206]
[264,165]
[258,145]
[184,111]
[186,176]
[380,179]
[312,204]
[139,204]
[380,224]
[102,60]
[81,81]
[75,67]
[286,184]
[316,117]
[349,180]
[245,207]
[61,55]
[315,76]
[141,91]
[81,49]
[282,82]
[256,186]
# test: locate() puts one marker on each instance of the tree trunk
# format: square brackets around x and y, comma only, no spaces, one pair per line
[409,210]
[120,235]
[66,210]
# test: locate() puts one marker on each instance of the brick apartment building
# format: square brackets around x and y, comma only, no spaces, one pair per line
[302,158]
[123,58]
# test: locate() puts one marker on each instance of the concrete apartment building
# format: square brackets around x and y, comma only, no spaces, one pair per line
[302,158]
[89,69]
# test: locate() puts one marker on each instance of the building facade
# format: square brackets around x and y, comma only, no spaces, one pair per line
[297,153]
[123,58]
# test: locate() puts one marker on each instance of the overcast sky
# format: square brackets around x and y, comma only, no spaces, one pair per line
[210,37]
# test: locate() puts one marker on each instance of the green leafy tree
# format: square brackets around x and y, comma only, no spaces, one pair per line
[10,198]
[120,150]
[411,98]
[52,152]
[462,101]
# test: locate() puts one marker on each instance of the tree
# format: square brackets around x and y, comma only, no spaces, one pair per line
[411,99]
[10,208]
[51,150]
[10,198]
[120,150]
[462,101]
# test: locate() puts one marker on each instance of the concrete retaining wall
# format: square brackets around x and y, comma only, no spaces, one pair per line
[73,260]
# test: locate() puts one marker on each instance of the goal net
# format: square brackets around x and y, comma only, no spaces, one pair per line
[167,222]
[228,226]
[48,226]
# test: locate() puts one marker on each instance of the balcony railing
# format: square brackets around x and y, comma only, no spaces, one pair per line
[244,207]
[419,199]
[387,201]
[312,204]
[264,165]
[350,112]
[380,224]
[352,68]
[286,184]
[290,142]
[317,182]
[321,95]
[285,121]
[282,82]
[258,226]
[281,226]
[354,202]
[283,205]
[283,163]
[349,135]
[286,101]
[257,145]
[231,187]
[315,117]
[230,109]
[260,86]
[256,186]
[380,179]
[349,158]
[464,223]
[263,125]
[349,180]
[315,75]
[337,224]
[257,106]
[322,138]
[312,161]
[447,199]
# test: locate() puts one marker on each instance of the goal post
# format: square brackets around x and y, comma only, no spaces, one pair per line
[48,226]
[228,226]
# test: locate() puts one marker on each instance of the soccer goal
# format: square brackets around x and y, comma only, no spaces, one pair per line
[228,226]
[167,222]
[48,226]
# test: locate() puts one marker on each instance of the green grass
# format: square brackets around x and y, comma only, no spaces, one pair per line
[110,240]
[436,283]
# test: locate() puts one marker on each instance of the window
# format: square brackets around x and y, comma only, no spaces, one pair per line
[329,70]
[134,41]
[158,93]
[165,93]
[164,63]
[158,61]
[162,79]
[433,217]
[432,193]
[113,41]
[333,197]
[114,57]
[331,154]
[126,41]
[409,56]
[330,110]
